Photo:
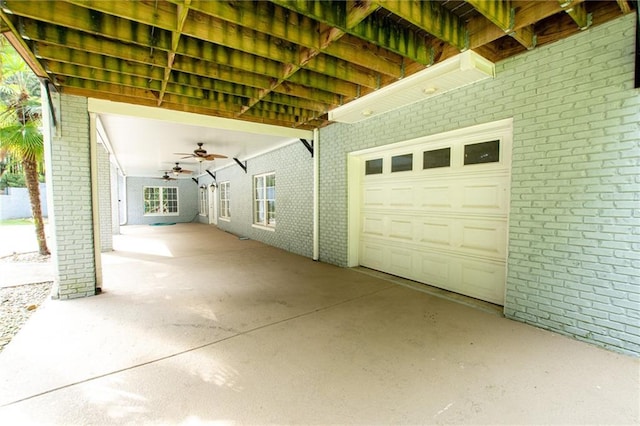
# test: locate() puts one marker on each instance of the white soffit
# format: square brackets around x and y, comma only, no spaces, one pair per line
[461,70]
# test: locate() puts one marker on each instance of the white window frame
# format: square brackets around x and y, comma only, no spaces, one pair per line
[264,202]
[203,204]
[225,200]
[161,201]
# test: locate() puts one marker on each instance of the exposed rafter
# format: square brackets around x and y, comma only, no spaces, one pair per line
[578,12]
[281,62]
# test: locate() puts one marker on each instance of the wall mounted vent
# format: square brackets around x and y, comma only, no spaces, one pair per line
[458,71]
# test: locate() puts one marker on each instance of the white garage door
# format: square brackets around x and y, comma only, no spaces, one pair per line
[437,211]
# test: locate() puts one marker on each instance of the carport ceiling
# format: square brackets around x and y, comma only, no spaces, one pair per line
[278,62]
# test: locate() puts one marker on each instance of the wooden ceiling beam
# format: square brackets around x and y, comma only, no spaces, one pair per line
[219,103]
[354,13]
[11,34]
[432,18]
[213,30]
[578,12]
[44,33]
[526,13]
[202,82]
[150,100]
[208,28]
[392,37]
[66,15]
[624,6]
[242,38]
[66,70]
[182,12]
[154,14]
[327,65]
[263,16]
[367,55]
[323,82]
[304,92]
[83,42]
[282,99]
[91,60]
[525,36]
[266,111]
[301,115]
[502,14]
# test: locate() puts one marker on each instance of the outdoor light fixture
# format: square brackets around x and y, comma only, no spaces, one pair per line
[466,68]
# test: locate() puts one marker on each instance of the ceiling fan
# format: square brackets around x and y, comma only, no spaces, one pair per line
[200,154]
[166,176]
[177,170]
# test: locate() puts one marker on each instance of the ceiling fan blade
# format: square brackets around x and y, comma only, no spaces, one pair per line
[185,171]
[210,157]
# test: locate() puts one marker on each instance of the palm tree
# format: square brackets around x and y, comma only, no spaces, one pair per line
[20,126]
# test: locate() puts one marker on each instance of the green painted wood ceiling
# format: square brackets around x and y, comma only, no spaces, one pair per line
[280,62]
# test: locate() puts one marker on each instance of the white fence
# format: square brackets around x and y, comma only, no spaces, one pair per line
[14,203]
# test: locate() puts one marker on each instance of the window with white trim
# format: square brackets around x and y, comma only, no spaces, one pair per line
[225,196]
[264,199]
[160,200]
[204,206]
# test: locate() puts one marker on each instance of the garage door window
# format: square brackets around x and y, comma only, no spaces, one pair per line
[436,158]
[402,163]
[485,152]
[373,167]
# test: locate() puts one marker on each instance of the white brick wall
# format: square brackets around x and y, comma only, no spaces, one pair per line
[573,262]
[187,200]
[293,166]
[104,199]
[70,185]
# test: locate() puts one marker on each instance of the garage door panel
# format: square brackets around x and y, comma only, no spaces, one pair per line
[436,232]
[373,197]
[435,197]
[485,280]
[484,238]
[436,269]
[402,229]
[401,262]
[373,226]
[484,197]
[445,226]
[372,256]
[401,196]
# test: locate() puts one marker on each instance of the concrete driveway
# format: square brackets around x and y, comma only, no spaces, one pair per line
[198,327]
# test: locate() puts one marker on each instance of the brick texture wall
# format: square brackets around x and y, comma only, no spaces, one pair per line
[293,167]
[574,238]
[187,200]
[69,180]
[104,198]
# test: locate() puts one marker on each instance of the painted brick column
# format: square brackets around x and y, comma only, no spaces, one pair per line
[70,212]
[104,198]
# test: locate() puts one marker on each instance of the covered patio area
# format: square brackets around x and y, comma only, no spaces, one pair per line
[199,326]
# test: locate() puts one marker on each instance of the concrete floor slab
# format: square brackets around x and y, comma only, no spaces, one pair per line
[198,327]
